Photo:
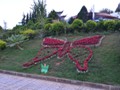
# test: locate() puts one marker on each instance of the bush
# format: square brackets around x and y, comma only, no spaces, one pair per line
[91,25]
[18,28]
[117,25]
[109,25]
[77,25]
[7,34]
[2,44]
[47,29]
[57,28]
[100,25]
[30,33]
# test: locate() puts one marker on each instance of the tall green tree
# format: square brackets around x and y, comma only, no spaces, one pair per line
[83,14]
[27,18]
[53,15]
[39,10]
[23,20]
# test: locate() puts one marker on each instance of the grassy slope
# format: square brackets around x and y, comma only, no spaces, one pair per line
[103,67]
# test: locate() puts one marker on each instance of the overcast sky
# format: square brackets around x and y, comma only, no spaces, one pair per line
[11,11]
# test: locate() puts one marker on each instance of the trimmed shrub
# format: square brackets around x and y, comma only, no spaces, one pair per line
[91,25]
[77,25]
[47,28]
[109,25]
[117,25]
[57,28]
[100,25]
[30,33]
[2,44]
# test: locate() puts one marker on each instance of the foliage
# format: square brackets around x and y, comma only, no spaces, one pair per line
[105,10]
[70,21]
[117,25]
[29,32]
[83,14]
[15,40]
[17,29]
[91,25]
[47,28]
[48,20]
[23,22]
[30,24]
[66,27]
[100,25]
[77,25]
[57,28]
[2,44]
[1,29]
[118,8]
[39,10]
[109,25]
[53,15]
[37,15]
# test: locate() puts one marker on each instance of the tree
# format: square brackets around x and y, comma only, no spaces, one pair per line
[83,14]
[53,15]
[1,28]
[39,10]
[105,10]
[71,20]
[37,15]
[118,8]
[23,20]
[27,18]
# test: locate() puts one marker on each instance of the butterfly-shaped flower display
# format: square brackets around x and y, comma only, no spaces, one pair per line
[59,47]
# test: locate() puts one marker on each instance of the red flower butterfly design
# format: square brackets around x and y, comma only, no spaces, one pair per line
[64,47]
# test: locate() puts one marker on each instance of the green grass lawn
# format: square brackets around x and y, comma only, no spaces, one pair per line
[104,66]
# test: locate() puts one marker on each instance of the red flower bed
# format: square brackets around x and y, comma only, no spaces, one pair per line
[85,63]
[64,48]
[88,41]
[52,41]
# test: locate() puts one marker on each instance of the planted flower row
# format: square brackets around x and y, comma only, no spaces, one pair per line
[52,41]
[88,41]
[64,50]
[85,63]
[37,59]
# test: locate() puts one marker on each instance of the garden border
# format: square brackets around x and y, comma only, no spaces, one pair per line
[62,80]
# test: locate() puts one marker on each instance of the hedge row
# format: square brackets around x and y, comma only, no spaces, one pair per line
[58,28]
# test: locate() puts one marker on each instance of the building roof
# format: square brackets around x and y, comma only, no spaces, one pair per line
[60,12]
[105,15]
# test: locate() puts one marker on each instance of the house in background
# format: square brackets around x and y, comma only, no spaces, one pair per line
[99,16]
[61,17]
[104,16]
[116,14]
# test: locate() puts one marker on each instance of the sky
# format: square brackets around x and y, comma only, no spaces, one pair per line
[11,11]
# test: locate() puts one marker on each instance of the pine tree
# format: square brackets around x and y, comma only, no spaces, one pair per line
[27,18]
[83,14]
[23,20]
[118,9]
